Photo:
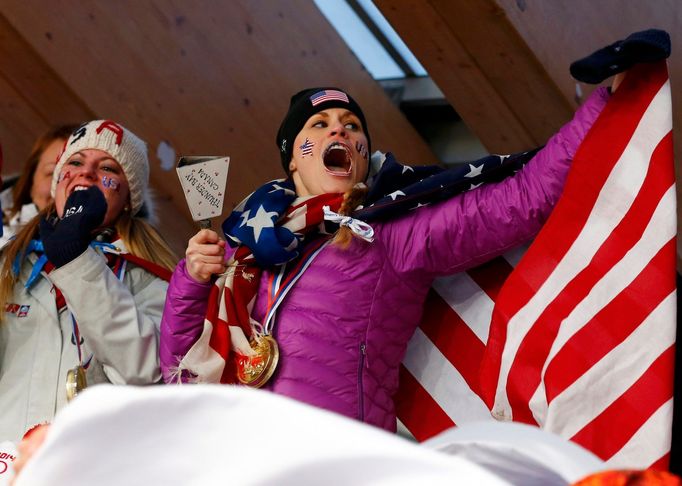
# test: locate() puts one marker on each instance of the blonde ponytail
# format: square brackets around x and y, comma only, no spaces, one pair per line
[351,200]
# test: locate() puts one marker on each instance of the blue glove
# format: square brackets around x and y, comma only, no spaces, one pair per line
[69,237]
[645,46]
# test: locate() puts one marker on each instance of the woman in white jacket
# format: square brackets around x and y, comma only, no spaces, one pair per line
[81,298]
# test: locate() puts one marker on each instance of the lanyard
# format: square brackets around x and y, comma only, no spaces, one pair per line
[283,281]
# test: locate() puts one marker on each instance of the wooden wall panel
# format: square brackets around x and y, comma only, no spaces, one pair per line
[208,77]
[561,32]
[31,98]
[19,126]
[483,67]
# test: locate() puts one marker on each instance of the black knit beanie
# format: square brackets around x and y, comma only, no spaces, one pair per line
[305,104]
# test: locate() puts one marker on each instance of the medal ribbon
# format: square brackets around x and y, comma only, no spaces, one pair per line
[76,338]
[283,282]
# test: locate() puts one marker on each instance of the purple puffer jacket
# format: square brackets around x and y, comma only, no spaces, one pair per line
[344,327]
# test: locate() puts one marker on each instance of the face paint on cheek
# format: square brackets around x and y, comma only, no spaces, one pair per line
[63,176]
[109,183]
[361,150]
[307,148]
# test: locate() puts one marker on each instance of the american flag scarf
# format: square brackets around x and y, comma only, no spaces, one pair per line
[268,228]
[271,226]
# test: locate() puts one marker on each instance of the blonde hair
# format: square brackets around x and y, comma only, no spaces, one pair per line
[351,200]
[141,239]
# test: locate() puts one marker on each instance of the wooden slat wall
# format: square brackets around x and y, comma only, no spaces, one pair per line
[208,77]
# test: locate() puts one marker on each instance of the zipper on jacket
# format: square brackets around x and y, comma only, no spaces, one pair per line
[361,391]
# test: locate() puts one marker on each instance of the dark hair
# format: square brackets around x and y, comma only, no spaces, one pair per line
[21,193]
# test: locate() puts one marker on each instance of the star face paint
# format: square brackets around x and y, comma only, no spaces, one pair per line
[65,174]
[362,150]
[307,148]
[110,183]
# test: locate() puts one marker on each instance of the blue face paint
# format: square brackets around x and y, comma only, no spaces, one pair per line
[109,183]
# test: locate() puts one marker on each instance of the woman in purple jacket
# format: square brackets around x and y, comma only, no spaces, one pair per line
[344,324]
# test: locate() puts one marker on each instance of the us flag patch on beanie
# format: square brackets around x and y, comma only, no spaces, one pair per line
[328,95]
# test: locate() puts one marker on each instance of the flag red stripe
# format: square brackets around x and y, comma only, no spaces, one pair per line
[491,275]
[417,410]
[525,373]
[611,430]
[458,343]
[220,330]
[592,164]
[613,324]
[662,464]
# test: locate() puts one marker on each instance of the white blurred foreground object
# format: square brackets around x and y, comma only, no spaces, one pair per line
[522,454]
[214,434]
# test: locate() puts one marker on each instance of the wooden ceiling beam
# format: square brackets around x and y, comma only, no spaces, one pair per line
[484,68]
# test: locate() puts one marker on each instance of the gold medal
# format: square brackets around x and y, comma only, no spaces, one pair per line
[256,370]
[75,382]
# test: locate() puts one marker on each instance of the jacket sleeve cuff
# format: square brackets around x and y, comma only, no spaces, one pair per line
[186,283]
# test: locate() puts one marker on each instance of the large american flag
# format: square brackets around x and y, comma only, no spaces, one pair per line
[580,337]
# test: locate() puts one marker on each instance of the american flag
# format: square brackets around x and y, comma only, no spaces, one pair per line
[306,148]
[580,337]
[328,95]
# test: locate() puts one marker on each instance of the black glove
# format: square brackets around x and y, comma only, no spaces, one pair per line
[69,237]
[646,46]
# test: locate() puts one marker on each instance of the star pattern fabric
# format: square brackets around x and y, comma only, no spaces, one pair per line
[254,224]
[396,188]
[263,219]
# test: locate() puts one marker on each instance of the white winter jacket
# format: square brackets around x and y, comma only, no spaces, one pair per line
[118,323]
